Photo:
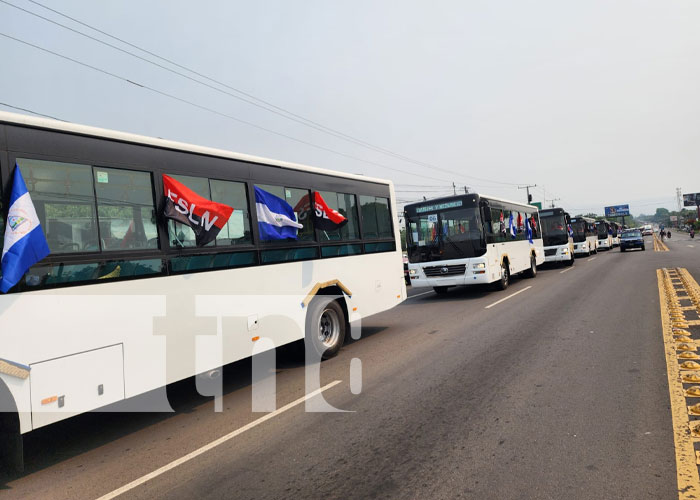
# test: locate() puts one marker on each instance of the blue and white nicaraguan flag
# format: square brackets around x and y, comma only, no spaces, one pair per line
[25,243]
[529,230]
[276,217]
[511,227]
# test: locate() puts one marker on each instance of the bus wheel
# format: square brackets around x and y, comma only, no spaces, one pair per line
[325,328]
[440,290]
[503,283]
[532,272]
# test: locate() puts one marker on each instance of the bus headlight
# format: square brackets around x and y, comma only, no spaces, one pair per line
[480,265]
[412,272]
[565,251]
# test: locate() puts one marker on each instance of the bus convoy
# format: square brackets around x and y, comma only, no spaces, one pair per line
[148,240]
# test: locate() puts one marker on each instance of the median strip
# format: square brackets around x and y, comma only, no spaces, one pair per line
[676,287]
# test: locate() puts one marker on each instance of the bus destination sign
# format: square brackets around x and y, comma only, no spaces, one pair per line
[439,206]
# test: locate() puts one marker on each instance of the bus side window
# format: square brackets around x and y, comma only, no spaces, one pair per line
[237,229]
[181,235]
[299,199]
[376,218]
[64,199]
[346,204]
[125,208]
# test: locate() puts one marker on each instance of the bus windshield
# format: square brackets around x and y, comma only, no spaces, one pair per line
[602,230]
[554,230]
[579,228]
[452,234]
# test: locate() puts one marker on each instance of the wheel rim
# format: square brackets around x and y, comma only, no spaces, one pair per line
[328,327]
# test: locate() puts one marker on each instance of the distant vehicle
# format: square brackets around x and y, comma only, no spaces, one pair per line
[631,239]
[585,236]
[556,237]
[605,240]
[647,230]
[471,239]
[616,233]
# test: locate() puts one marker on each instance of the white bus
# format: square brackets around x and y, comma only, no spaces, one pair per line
[127,302]
[558,242]
[616,230]
[585,236]
[605,238]
[471,239]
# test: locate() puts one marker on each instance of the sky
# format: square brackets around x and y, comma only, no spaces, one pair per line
[594,102]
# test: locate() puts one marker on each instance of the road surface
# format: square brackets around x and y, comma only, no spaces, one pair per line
[560,391]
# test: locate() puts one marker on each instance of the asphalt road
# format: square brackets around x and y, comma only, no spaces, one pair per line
[558,392]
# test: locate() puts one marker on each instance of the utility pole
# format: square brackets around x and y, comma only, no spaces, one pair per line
[454,189]
[529,198]
[552,200]
[466,191]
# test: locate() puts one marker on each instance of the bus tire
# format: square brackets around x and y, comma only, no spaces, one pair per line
[503,283]
[325,328]
[532,272]
[440,290]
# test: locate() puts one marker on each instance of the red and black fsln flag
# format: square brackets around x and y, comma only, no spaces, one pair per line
[205,217]
[325,218]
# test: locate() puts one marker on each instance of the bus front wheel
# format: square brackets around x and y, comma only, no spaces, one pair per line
[503,283]
[440,290]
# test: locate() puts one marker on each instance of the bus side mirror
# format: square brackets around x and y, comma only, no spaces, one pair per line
[486,213]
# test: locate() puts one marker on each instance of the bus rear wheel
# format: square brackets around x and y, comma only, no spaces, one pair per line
[532,272]
[325,328]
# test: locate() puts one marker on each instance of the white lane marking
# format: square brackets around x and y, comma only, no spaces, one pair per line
[506,298]
[691,246]
[565,270]
[214,444]
[418,295]
[592,258]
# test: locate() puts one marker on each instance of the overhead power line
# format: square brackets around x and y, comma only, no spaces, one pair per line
[205,108]
[30,111]
[249,98]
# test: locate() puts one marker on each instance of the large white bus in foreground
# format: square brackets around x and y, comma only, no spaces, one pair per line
[471,239]
[127,302]
[585,235]
[558,243]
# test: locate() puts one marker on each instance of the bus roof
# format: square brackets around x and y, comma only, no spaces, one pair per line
[56,125]
[444,199]
[547,212]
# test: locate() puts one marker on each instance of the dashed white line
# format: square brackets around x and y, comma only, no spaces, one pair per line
[213,444]
[691,246]
[592,258]
[506,298]
[419,294]
[565,270]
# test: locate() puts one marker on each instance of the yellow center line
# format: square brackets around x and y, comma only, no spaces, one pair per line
[686,466]
[659,246]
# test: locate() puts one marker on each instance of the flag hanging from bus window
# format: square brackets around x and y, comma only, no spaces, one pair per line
[276,217]
[205,217]
[511,227]
[528,228]
[25,243]
[326,218]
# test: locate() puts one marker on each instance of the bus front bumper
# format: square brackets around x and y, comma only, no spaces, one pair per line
[582,248]
[467,272]
[557,254]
